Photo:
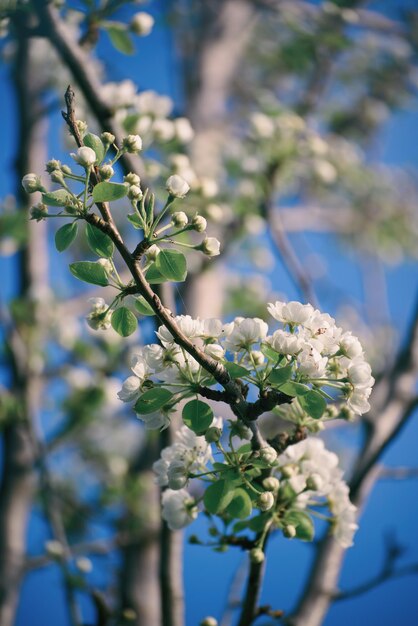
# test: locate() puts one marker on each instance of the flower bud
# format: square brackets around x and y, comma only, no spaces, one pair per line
[82,127]
[177,481]
[199,223]
[152,252]
[53,165]
[83,564]
[268,454]
[132,179]
[179,219]
[129,615]
[257,357]
[106,171]
[107,139]
[213,434]
[209,246]
[39,212]
[66,169]
[256,555]
[141,24]
[271,483]
[177,186]
[314,482]
[135,192]
[86,157]
[209,621]
[289,531]
[265,501]
[31,183]
[54,548]
[106,265]
[57,177]
[132,143]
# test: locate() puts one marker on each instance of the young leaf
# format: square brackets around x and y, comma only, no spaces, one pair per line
[235,370]
[280,375]
[108,192]
[143,307]
[124,321]
[198,416]
[60,197]
[120,38]
[314,404]
[95,143]
[154,276]
[135,221]
[172,265]
[98,242]
[152,400]
[217,497]
[89,272]
[65,236]
[294,389]
[240,506]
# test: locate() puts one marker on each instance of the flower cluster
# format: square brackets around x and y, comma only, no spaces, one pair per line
[189,456]
[309,358]
[313,371]
[311,472]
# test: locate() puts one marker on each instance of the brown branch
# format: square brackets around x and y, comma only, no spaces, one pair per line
[398,473]
[384,576]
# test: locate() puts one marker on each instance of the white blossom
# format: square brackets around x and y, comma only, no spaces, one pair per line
[183,129]
[178,508]
[285,343]
[291,312]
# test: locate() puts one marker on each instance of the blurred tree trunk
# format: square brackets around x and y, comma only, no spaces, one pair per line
[23,342]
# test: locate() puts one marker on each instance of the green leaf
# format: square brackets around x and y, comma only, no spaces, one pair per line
[153,400]
[258,522]
[89,272]
[268,351]
[240,506]
[136,221]
[280,375]
[120,38]
[294,389]
[95,143]
[172,265]
[65,236]
[143,307]
[198,416]
[108,192]
[60,197]
[314,404]
[303,523]
[154,276]
[99,243]
[218,496]
[235,370]
[124,321]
